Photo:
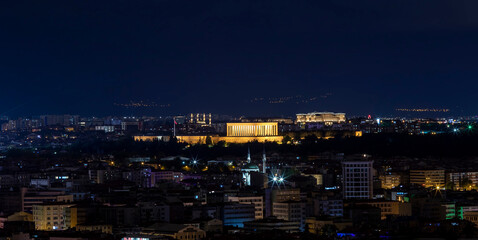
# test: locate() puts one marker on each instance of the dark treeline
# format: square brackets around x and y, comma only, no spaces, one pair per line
[383,145]
[378,145]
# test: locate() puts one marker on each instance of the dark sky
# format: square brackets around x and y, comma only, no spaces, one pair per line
[358,57]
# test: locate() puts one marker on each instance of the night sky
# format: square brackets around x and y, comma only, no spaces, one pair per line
[358,57]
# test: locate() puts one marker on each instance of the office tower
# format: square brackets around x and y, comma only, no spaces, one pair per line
[357,179]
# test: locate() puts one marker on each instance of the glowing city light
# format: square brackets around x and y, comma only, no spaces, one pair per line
[277,179]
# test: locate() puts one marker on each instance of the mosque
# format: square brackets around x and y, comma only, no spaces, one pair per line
[251,167]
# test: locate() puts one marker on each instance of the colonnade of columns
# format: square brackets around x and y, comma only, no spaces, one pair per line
[251,130]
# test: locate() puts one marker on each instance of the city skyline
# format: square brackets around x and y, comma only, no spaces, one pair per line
[202,120]
[92,58]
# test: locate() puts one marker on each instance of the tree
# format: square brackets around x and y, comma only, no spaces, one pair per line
[310,139]
[221,143]
[466,183]
[450,186]
[208,140]
[286,139]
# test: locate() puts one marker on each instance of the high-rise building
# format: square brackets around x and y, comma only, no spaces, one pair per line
[357,179]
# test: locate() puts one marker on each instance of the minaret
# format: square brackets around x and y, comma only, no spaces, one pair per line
[264,161]
[248,155]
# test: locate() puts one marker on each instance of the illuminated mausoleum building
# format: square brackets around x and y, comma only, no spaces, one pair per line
[327,118]
[242,132]
[252,129]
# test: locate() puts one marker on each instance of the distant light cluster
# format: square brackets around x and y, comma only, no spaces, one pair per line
[422,109]
[141,104]
[299,99]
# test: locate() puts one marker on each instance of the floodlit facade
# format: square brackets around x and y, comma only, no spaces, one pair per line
[151,138]
[242,132]
[48,217]
[320,117]
[390,181]
[428,178]
[252,129]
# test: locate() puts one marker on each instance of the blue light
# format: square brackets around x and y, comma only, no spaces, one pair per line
[345,234]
